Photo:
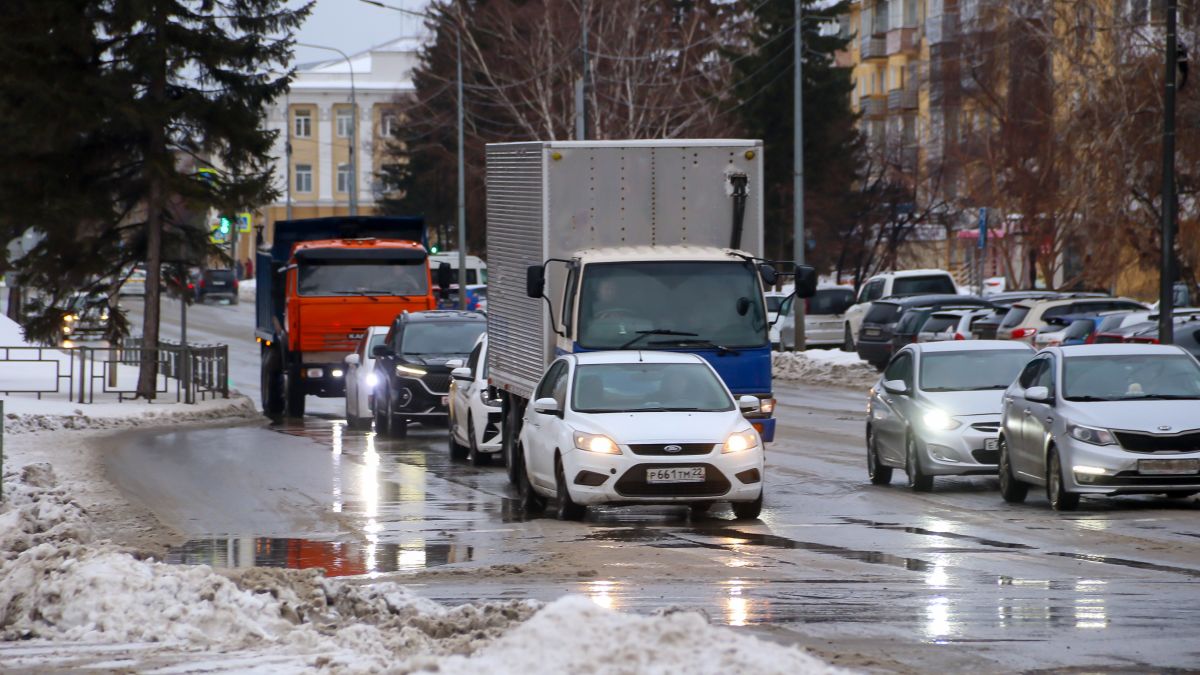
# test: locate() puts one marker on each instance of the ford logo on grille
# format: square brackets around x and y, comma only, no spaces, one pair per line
[1164,427]
[672,448]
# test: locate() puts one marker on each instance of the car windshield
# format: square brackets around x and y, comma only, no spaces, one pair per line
[1130,377]
[401,277]
[423,338]
[715,302]
[830,301]
[648,387]
[937,283]
[972,370]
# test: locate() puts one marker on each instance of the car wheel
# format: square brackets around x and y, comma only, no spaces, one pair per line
[848,340]
[1056,487]
[917,480]
[876,471]
[567,508]
[381,416]
[477,458]
[457,450]
[531,502]
[748,510]
[1011,489]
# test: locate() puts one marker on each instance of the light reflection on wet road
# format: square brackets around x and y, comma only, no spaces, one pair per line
[952,580]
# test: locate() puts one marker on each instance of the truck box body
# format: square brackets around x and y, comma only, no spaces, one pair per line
[605,201]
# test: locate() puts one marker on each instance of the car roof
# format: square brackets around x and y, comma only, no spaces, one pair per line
[1115,349]
[970,346]
[938,299]
[634,356]
[1068,300]
[900,274]
[440,315]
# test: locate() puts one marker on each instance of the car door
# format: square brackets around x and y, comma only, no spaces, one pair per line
[1016,417]
[891,414]
[1039,418]
[541,429]
[352,383]
[460,400]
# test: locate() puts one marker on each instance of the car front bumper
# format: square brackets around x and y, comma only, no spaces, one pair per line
[1122,473]
[596,478]
[414,398]
[962,451]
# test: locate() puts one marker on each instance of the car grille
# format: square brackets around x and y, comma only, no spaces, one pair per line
[986,456]
[438,383]
[1135,442]
[660,449]
[633,483]
[987,427]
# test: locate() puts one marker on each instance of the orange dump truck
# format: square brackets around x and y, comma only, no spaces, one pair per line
[320,285]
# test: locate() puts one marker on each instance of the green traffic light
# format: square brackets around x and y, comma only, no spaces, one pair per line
[225,224]
[433,249]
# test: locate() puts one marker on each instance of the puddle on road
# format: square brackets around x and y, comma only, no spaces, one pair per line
[335,557]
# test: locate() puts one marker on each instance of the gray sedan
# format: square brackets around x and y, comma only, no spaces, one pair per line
[936,410]
[1104,420]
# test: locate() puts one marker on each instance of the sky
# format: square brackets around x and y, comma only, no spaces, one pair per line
[352,26]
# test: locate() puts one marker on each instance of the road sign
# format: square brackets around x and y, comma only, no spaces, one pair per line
[983,218]
[244,222]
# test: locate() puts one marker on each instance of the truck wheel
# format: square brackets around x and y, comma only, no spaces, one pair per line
[272,384]
[294,393]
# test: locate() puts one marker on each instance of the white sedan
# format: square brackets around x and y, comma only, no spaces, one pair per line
[638,427]
[361,378]
[474,414]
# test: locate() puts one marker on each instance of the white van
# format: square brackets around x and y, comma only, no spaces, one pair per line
[891,284]
[476,268]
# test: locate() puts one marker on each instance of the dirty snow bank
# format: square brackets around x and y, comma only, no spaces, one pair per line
[825,367]
[27,415]
[59,587]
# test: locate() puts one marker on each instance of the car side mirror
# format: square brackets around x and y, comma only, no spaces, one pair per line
[806,281]
[768,274]
[351,359]
[445,275]
[461,373]
[454,363]
[895,386]
[535,281]
[748,404]
[546,406]
[1038,394]
[381,351]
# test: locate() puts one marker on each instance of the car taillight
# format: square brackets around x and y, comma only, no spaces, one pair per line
[1143,340]
[202,283]
[1091,339]
[1022,333]
[191,287]
[235,283]
[959,336]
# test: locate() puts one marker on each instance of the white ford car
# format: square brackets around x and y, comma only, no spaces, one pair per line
[474,414]
[634,427]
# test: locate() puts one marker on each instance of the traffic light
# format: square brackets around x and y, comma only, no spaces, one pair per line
[226,224]
[433,249]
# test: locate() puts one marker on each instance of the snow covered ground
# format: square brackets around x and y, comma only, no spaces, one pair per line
[824,367]
[68,600]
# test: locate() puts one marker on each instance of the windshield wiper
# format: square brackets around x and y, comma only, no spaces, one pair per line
[641,334]
[366,293]
[722,349]
[1089,399]
[1160,397]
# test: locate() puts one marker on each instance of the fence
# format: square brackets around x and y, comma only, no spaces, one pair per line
[190,373]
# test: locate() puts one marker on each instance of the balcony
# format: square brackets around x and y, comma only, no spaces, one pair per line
[902,99]
[873,48]
[902,40]
[941,28]
[873,106]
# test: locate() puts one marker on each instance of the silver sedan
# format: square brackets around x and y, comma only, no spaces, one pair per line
[936,410]
[1102,419]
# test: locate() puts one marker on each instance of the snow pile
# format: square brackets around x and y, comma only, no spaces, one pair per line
[247,288]
[27,415]
[824,366]
[574,635]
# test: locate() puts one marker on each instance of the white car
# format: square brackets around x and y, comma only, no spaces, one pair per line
[891,284]
[776,301]
[638,427]
[951,325]
[361,378]
[474,414]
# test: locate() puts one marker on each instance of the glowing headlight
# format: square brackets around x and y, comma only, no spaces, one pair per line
[766,406]
[372,380]
[1091,435]
[104,316]
[70,318]
[410,370]
[1089,470]
[596,443]
[740,441]
[337,372]
[940,421]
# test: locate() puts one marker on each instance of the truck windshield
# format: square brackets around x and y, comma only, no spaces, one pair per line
[374,277]
[716,302]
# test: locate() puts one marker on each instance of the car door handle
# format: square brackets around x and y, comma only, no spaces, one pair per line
[1049,420]
[1028,411]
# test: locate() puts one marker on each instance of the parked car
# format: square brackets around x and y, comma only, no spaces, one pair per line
[875,344]
[985,328]
[1024,319]
[1104,420]
[892,284]
[413,367]
[218,285]
[936,410]
[476,295]
[135,283]
[824,315]
[913,319]
[361,378]
[639,427]
[958,324]
[474,411]
[87,316]
[776,301]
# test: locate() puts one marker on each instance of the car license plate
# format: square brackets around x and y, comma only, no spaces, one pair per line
[1168,467]
[686,474]
[219,283]
[445,400]
[991,444]
[870,331]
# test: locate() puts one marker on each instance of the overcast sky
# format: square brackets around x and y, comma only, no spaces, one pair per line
[352,26]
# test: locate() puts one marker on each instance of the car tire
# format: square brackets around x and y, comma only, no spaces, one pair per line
[566,509]
[293,393]
[457,450]
[1011,488]
[381,416]
[509,441]
[917,478]
[876,471]
[1056,486]
[748,510]
[477,458]
[848,340]
[531,502]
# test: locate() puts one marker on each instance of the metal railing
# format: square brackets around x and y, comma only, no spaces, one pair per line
[192,372]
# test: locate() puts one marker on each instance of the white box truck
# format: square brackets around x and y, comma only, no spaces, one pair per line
[598,245]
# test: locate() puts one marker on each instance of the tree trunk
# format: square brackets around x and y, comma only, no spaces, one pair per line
[147,385]
[14,303]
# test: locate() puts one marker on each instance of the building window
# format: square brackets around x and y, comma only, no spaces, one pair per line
[387,127]
[345,123]
[343,178]
[304,178]
[302,124]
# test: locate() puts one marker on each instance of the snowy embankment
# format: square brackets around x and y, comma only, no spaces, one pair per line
[60,588]
[824,367]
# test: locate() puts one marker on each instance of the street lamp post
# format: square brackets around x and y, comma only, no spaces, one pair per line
[353,127]
[1166,315]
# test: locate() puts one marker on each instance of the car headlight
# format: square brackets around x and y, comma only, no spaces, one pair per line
[596,443]
[486,397]
[740,441]
[69,318]
[939,421]
[410,370]
[372,380]
[1091,435]
[766,406]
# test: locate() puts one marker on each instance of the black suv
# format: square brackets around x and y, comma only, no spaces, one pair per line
[414,378]
[880,325]
[217,284]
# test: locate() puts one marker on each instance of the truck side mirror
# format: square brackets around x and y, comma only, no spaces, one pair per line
[806,281]
[768,274]
[445,275]
[535,281]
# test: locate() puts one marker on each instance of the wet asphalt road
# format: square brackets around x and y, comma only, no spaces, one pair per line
[872,576]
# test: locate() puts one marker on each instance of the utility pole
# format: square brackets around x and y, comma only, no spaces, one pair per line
[1166,315]
[798,241]
[287,120]
[581,89]
[462,189]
